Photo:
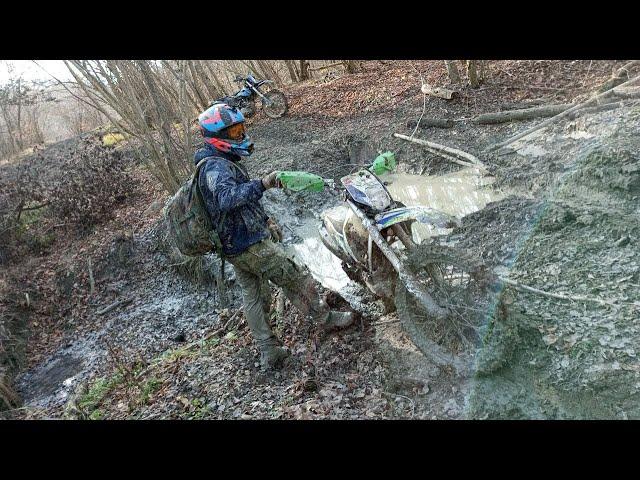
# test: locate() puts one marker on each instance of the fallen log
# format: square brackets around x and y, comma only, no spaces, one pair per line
[432,122]
[599,108]
[114,305]
[440,92]
[627,92]
[324,67]
[460,157]
[523,114]
[560,116]
[523,104]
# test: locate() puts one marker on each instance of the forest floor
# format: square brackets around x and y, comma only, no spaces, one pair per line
[153,355]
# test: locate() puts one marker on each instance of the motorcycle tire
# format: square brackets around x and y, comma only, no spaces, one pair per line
[248,109]
[457,281]
[275,105]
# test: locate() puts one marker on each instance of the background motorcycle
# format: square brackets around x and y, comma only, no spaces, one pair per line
[273,101]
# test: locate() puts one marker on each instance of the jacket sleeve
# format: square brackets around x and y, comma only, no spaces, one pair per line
[228,192]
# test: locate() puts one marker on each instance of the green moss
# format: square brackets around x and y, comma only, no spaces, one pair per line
[176,354]
[151,386]
[96,415]
[90,401]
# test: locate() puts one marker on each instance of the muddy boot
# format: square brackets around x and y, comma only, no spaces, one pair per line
[338,320]
[272,357]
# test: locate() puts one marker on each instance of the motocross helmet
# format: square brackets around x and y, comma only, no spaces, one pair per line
[222,127]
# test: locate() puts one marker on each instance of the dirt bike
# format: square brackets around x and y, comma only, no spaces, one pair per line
[273,102]
[440,293]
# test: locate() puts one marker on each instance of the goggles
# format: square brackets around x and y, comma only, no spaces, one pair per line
[235,132]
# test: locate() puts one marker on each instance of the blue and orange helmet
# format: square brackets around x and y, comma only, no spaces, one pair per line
[222,127]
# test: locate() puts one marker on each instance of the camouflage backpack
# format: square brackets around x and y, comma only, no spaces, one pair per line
[188,222]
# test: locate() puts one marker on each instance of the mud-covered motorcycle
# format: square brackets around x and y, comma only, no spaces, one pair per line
[440,292]
[273,101]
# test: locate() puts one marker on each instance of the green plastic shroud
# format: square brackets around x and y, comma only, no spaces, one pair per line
[297,181]
[385,162]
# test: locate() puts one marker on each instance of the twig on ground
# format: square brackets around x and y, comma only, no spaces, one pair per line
[384,322]
[215,333]
[92,282]
[575,298]
[424,100]
[413,405]
[114,305]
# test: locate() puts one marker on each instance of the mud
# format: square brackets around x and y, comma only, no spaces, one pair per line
[564,219]
[548,358]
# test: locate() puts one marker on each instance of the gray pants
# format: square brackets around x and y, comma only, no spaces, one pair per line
[266,261]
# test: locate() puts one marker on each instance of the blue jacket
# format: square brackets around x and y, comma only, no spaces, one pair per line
[227,188]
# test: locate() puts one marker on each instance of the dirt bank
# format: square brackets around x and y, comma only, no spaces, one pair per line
[549,358]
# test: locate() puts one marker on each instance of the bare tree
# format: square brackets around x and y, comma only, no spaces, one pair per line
[352,66]
[291,67]
[304,70]
[154,110]
[19,105]
[452,70]
[476,71]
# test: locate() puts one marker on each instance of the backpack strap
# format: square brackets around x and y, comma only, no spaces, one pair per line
[213,230]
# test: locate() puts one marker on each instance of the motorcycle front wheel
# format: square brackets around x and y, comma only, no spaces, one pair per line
[456,281]
[274,104]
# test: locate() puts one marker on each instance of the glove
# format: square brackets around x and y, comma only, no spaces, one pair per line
[274,229]
[270,181]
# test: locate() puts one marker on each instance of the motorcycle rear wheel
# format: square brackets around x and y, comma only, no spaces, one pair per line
[456,281]
[275,104]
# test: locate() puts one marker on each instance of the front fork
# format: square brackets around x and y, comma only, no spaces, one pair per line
[264,99]
[406,276]
[432,269]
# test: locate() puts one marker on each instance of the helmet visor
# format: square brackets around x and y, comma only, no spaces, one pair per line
[234,132]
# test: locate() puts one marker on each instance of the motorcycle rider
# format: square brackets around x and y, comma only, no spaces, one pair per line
[233,203]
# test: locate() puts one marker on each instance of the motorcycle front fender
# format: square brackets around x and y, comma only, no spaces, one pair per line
[419,213]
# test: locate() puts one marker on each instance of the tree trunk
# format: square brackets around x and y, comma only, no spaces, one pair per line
[482,69]
[7,120]
[204,79]
[452,70]
[219,86]
[472,73]
[19,120]
[269,71]
[292,70]
[194,84]
[352,66]
[304,70]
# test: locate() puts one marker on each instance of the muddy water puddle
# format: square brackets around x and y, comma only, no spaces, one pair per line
[458,194]
[324,265]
